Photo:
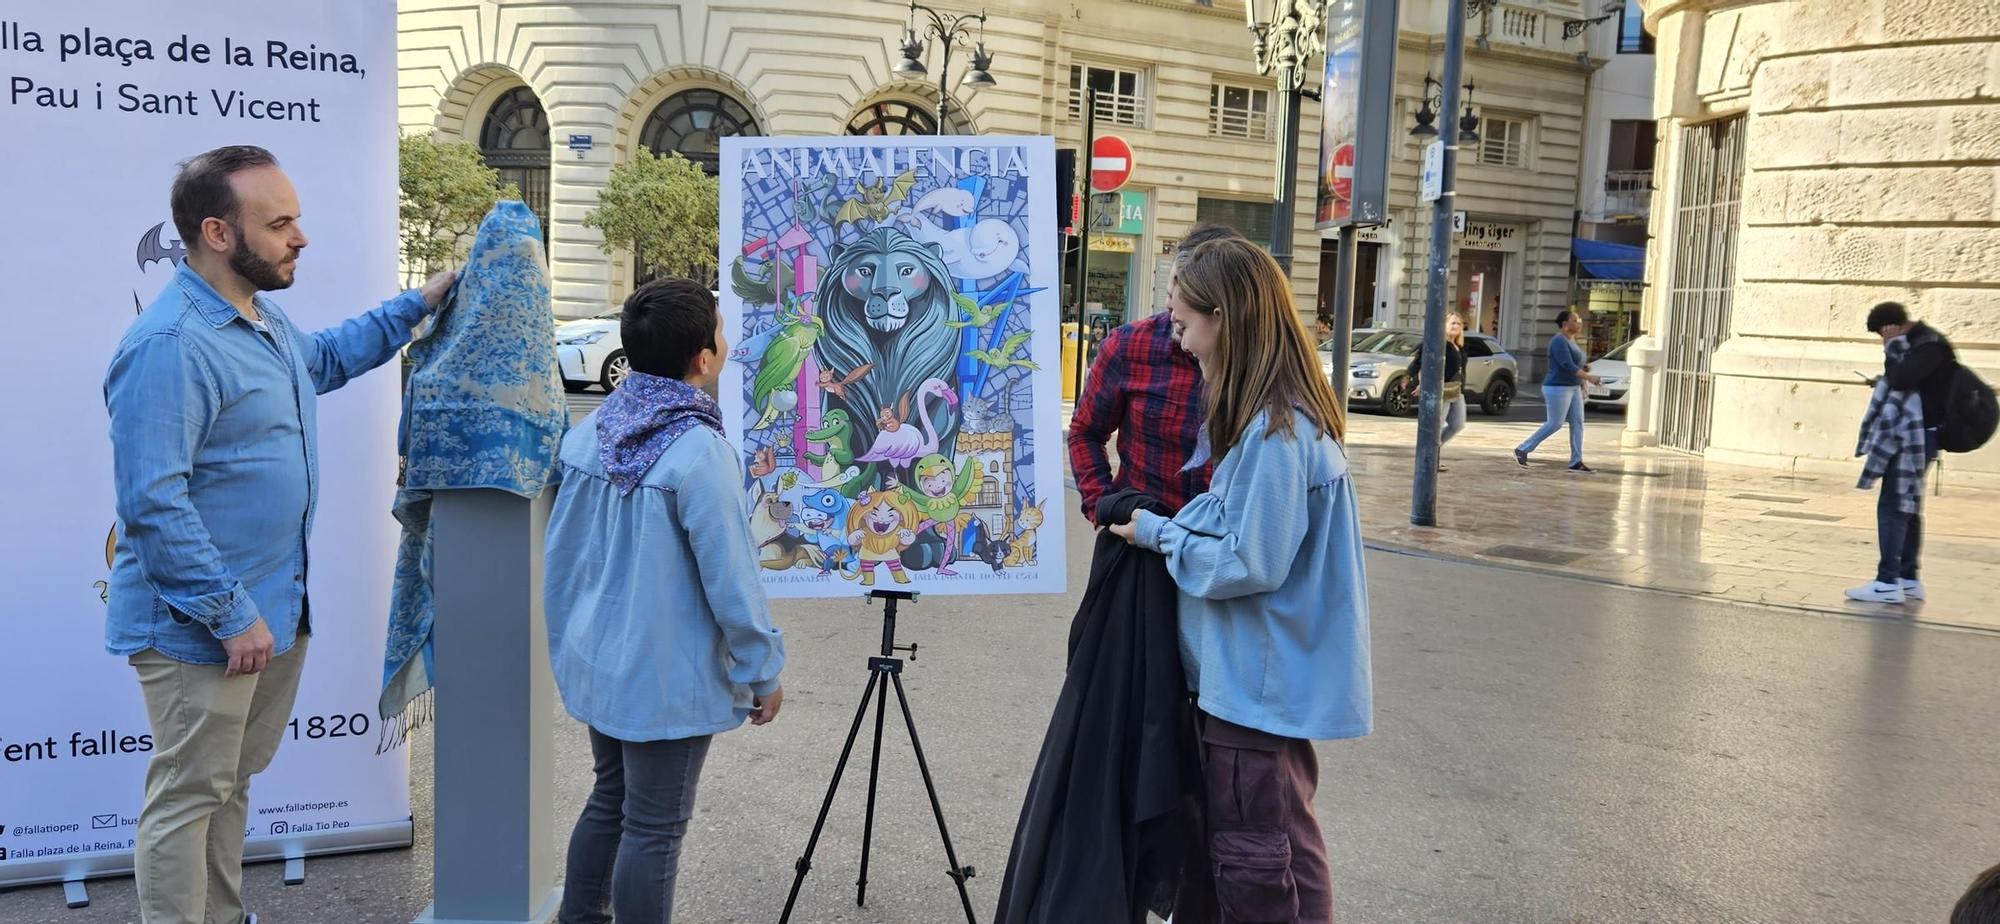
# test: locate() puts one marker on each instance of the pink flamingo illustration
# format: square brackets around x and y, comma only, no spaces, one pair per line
[899,445]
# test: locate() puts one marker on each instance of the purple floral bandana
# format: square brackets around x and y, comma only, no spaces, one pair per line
[642,418]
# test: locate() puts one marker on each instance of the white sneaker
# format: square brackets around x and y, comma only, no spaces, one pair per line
[1913,590]
[1877,592]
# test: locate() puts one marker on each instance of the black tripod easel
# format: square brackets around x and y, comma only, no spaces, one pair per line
[891,667]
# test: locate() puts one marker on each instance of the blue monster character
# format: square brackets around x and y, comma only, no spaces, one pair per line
[822,521]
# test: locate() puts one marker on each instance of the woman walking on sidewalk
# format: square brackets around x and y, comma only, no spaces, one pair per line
[1452,404]
[1273,595]
[1562,389]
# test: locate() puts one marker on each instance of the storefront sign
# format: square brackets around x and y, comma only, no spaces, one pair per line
[1113,243]
[1487,235]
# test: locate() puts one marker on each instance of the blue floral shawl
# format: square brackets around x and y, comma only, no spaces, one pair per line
[482,409]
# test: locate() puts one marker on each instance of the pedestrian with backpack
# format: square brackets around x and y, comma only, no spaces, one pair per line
[1922,397]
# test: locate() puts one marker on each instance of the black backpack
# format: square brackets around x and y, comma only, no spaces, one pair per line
[1970,412]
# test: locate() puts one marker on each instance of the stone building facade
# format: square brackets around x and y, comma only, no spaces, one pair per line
[1816,158]
[1181,90]
[522,78]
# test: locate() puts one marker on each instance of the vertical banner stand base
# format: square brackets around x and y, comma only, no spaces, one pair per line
[76,894]
[295,869]
[494,767]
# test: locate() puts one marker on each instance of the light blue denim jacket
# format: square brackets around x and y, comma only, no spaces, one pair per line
[658,626]
[1274,595]
[215,461]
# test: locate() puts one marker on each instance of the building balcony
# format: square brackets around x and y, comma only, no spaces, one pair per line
[1628,195]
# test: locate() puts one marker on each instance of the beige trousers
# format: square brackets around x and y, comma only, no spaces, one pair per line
[211,733]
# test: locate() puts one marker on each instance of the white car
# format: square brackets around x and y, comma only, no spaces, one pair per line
[589,352]
[1615,391]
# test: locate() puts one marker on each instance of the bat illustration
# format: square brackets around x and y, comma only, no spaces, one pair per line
[1002,358]
[837,385]
[874,201]
[151,251]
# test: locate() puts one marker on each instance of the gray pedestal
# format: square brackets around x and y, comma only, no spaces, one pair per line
[494,838]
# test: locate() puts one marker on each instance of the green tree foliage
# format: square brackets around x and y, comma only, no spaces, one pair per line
[447,190]
[665,209]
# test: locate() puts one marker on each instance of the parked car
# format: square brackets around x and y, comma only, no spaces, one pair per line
[1615,392]
[1379,378]
[589,352]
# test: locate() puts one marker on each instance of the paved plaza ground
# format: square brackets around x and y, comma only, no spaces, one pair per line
[1551,745]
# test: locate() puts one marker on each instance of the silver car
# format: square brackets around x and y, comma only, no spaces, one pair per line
[1378,373]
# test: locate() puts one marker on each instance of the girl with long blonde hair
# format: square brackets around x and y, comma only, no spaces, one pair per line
[1274,596]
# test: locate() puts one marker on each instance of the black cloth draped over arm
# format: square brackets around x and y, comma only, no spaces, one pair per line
[1099,837]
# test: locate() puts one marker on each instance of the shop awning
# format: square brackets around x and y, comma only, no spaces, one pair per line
[1605,260]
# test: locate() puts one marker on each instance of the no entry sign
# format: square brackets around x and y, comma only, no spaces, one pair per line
[1110,163]
[1343,173]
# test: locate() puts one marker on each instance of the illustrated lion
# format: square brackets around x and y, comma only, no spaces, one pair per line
[885,299]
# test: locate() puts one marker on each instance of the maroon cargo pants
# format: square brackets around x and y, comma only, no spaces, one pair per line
[1261,858]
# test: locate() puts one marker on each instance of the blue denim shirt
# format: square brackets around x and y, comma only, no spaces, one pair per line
[658,627]
[1274,594]
[213,448]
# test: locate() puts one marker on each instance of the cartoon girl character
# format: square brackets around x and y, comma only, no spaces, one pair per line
[822,521]
[938,496]
[879,527]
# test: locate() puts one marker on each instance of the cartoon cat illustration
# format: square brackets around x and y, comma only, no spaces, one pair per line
[985,415]
[1021,551]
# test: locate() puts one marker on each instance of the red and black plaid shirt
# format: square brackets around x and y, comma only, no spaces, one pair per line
[1145,387]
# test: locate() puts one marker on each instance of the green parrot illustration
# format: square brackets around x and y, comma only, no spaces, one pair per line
[783,359]
[1002,358]
[976,316]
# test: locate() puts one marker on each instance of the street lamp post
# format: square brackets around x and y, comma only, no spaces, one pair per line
[1288,37]
[950,30]
[1423,495]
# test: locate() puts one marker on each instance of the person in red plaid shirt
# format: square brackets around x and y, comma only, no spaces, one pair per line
[1148,390]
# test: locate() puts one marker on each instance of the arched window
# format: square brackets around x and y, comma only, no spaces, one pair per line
[694,122]
[515,141]
[902,117]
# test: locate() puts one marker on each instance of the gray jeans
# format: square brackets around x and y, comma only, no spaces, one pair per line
[626,850]
[1453,418]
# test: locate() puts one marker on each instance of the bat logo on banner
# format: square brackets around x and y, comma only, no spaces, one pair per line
[151,251]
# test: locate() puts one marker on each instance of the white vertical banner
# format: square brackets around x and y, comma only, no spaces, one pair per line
[99,101]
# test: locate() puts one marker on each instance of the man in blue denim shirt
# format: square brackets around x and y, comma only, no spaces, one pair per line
[214,454]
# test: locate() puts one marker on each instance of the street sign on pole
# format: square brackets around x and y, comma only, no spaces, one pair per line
[1357,97]
[1433,178]
[1110,163]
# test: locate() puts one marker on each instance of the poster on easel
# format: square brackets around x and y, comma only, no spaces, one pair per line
[893,313]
